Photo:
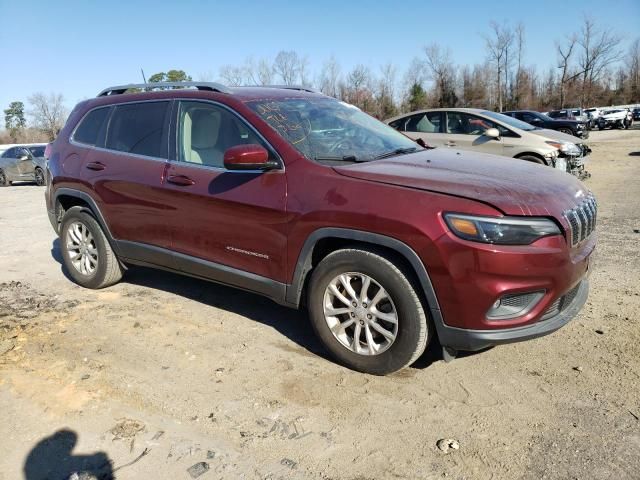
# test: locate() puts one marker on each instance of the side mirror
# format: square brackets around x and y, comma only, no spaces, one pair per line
[248,157]
[492,133]
[423,144]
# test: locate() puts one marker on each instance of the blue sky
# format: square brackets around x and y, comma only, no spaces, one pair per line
[78,48]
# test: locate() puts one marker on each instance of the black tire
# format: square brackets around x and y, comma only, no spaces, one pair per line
[566,131]
[413,332]
[532,159]
[3,179]
[39,177]
[108,269]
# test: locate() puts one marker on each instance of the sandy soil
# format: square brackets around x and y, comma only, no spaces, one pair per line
[159,373]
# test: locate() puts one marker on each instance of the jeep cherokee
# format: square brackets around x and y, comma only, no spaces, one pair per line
[307,200]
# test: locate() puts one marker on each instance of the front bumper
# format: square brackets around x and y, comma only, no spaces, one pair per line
[474,340]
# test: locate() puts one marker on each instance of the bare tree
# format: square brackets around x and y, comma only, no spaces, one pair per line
[599,49]
[287,66]
[357,89]
[48,113]
[438,62]
[260,73]
[520,45]
[232,75]
[564,58]
[632,62]
[498,45]
[330,78]
[385,97]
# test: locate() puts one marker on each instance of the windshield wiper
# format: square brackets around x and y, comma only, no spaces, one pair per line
[397,151]
[343,158]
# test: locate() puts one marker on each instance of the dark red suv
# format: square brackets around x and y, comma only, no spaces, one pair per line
[291,194]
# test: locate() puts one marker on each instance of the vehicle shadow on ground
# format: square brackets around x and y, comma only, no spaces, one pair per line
[293,324]
[634,154]
[52,458]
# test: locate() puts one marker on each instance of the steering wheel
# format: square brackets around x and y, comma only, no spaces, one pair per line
[342,144]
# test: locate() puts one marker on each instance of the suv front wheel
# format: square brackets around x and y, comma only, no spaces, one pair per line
[366,312]
[87,254]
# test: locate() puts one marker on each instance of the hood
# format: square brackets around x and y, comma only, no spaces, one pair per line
[515,187]
[555,135]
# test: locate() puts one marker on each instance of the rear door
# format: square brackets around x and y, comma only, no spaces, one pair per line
[427,126]
[9,163]
[465,131]
[232,218]
[125,168]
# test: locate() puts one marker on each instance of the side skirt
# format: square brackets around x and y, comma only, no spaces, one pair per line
[157,257]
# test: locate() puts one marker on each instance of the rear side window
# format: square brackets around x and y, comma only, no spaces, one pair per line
[137,128]
[90,126]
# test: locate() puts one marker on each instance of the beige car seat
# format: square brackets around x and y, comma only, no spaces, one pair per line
[200,137]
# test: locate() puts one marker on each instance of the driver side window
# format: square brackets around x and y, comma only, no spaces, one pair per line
[460,123]
[206,131]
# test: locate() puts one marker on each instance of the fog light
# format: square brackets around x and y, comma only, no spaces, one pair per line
[514,305]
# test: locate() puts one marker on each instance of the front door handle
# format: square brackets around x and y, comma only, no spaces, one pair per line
[450,144]
[97,166]
[180,180]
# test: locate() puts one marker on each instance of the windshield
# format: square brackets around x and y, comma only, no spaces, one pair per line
[512,122]
[325,129]
[37,151]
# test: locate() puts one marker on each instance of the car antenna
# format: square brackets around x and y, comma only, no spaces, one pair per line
[144,80]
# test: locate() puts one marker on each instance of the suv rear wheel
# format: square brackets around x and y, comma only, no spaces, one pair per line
[87,254]
[366,312]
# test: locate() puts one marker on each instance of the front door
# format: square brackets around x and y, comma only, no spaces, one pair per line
[465,131]
[231,218]
[24,163]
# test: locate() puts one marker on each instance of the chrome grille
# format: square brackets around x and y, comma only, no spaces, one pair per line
[582,220]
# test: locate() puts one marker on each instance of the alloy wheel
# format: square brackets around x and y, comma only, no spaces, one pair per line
[360,313]
[82,248]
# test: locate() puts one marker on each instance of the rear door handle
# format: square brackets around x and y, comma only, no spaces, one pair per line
[97,166]
[450,144]
[180,180]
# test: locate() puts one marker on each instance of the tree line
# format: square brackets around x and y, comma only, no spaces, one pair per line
[590,69]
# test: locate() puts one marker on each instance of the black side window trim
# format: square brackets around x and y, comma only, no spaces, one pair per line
[174,140]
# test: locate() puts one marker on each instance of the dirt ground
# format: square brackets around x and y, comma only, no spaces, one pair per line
[165,377]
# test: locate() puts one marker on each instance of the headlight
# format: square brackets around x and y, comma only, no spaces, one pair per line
[500,230]
[567,148]
[561,164]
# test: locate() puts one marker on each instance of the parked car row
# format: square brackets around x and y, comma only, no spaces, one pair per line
[490,132]
[23,163]
[309,201]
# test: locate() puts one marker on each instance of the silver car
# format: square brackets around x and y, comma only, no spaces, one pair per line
[24,163]
[491,132]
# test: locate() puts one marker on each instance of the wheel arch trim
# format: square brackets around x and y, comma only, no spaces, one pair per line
[304,266]
[93,209]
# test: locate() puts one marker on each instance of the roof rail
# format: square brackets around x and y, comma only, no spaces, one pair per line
[292,87]
[120,89]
